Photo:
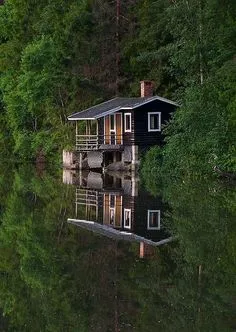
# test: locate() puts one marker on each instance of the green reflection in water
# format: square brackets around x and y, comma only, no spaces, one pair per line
[56,277]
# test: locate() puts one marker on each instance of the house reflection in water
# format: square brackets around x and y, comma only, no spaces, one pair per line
[113,205]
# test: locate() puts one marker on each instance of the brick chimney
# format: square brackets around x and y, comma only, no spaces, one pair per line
[146,250]
[147,88]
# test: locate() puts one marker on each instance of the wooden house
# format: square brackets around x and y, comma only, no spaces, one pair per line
[118,210]
[117,130]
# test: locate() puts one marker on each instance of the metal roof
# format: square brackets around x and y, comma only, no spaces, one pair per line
[114,105]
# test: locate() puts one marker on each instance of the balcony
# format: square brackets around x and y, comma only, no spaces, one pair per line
[86,142]
[110,142]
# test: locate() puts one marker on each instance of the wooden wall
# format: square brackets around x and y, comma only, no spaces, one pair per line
[139,134]
[144,138]
[142,204]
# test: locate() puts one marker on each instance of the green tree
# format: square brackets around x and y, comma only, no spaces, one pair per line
[201,133]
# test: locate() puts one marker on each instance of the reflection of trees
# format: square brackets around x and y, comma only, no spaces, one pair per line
[56,277]
[203,286]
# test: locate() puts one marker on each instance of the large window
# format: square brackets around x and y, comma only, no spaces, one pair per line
[127,122]
[153,221]
[154,121]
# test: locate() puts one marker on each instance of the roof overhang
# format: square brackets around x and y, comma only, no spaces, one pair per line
[114,233]
[77,119]
[119,108]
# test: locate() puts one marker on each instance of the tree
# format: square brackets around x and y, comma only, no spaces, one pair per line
[200,134]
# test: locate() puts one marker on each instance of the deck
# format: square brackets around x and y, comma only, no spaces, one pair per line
[98,143]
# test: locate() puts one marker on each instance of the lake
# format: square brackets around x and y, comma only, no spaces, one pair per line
[86,251]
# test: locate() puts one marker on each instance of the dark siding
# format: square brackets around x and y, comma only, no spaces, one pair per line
[142,204]
[144,138]
[139,134]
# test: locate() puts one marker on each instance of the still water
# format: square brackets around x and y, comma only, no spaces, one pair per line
[113,252]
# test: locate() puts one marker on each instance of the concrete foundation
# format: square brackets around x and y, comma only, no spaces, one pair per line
[71,160]
[125,160]
[129,183]
[95,159]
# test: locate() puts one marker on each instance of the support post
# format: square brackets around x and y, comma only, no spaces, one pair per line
[76,133]
[135,161]
[80,160]
[134,186]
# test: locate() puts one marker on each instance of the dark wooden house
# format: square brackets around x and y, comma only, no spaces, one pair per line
[115,208]
[117,130]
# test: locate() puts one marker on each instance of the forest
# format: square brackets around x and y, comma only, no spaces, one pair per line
[50,271]
[60,56]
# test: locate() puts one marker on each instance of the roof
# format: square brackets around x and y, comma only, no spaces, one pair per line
[114,233]
[114,105]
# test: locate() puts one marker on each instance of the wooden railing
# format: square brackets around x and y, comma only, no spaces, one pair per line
[86,142]
[86,197]
[93,142]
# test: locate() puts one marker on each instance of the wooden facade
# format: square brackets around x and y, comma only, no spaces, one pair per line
[125,125]
[118,204]
[111,129]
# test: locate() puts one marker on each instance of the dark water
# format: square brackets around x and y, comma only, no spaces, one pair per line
[92,252]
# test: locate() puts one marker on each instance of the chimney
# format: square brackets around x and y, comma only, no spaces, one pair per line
[147,88]
[146,250]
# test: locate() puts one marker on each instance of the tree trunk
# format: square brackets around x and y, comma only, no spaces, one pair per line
[117,45]
[200,43]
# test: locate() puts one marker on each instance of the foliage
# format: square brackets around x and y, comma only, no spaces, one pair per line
[55,276]
[151,169]
[201,216]
[200,134]
[58,57]
[147,50]
[200,56]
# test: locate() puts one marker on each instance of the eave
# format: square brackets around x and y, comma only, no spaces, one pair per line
[140,103]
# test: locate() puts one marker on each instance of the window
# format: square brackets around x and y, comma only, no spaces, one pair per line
[112,122]
[153,222]
[154,121]
[127,122]
[112,216]
[127,218]
[112,200]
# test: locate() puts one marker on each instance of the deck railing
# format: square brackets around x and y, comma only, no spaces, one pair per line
[86,197]
[86,142]
[90,200]
[93,142]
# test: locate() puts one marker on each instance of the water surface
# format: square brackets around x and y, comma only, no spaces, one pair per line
[93,252]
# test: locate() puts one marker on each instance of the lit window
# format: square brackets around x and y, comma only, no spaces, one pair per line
[127,218]
[127,122]
[154,121]
[153,221]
